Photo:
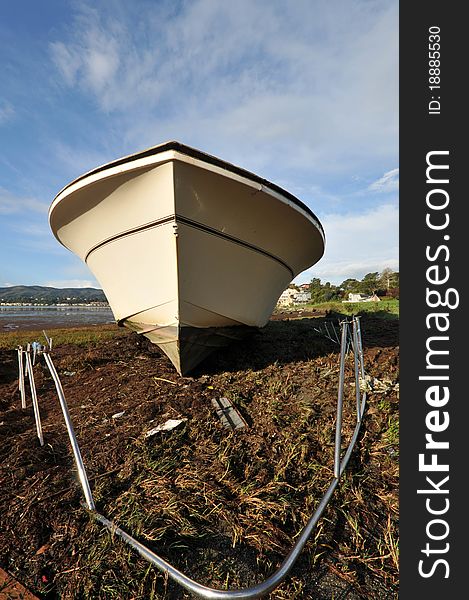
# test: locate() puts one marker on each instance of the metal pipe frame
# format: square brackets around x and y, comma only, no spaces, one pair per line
[21,377]
[28,348]
[37,416]
[356,360]
[48,340]
[71,434]
[261,589]
[360,362]
[360,347]
[336,337]
[340,399]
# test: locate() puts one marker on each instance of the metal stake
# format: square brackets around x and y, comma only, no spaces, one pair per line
[37,416]
[48,340]
[340,400]
[28,348]
[21,377]
[335,334]
[356,365]
[360,347]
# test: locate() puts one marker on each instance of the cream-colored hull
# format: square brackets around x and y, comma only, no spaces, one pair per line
[188,252]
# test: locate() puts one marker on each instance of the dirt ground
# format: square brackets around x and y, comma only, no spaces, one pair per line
[223,506]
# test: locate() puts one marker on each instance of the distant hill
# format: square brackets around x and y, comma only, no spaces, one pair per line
[50,295]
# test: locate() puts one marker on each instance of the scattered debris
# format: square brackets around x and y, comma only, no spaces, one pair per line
[43,549]
[378,386]
[228,414]
[69,373]
[166,426]
[117,415]
[166,380]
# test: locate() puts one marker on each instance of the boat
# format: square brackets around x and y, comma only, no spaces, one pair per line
[191,251]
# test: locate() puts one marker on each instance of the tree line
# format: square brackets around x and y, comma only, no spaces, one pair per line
[48,295]
[381,284]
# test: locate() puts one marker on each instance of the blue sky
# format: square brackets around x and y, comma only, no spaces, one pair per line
[303,93]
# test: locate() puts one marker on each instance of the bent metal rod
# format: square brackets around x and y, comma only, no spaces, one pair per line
[350,336]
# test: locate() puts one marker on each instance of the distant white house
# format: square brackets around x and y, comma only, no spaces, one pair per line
[291,296]
[286,297]
[362,298]
[302,297]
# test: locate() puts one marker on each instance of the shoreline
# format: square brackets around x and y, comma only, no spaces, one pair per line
[38,325]
[16,318]
[25,305]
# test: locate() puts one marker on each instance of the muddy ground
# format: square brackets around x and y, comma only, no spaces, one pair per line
[223,506]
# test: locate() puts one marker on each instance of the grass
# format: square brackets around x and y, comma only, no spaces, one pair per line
[384,308]
[77,336]
[392,433]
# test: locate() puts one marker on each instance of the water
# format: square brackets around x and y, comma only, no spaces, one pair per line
[14,318]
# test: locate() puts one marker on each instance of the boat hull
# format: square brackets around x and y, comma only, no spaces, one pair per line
[189,253]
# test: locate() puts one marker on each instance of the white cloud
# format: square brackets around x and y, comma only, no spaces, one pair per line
[66,61]
[105,61]
[10,204]
[77,160]
[32,229]
[358,244]
[71,283]
[73,273]
[273,84]
[7,112]
[36,238]
[338,271]
[76,269]
[389,182]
